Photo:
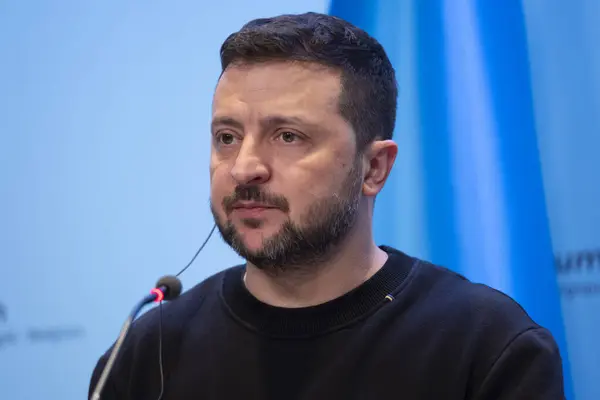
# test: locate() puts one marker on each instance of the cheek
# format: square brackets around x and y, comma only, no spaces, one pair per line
[220,183]
[303,193]
[214,164]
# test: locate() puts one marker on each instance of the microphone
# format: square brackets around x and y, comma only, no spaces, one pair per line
[167,288]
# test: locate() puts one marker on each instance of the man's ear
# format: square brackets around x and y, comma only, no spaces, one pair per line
[378,160]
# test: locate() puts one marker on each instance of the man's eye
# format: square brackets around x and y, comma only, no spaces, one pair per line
[226,138]
[288,137]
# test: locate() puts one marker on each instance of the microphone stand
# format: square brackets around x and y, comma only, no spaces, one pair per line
[153,296]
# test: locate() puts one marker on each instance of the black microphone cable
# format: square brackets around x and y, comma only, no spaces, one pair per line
[199,250]
[160,322]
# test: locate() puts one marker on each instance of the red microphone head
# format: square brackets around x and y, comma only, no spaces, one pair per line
[167,288]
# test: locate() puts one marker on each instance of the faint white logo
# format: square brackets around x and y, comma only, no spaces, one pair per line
[55,334]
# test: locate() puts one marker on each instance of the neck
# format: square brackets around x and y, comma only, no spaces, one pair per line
[356,260]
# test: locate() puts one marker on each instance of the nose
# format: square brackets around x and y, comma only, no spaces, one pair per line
[250,167]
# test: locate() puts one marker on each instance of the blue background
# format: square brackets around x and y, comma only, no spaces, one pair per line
[104,115]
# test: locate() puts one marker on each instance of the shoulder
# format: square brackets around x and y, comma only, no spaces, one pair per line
[187,304]
[471,303]
[441,296]
[175,314]
[169,320]
[491,328]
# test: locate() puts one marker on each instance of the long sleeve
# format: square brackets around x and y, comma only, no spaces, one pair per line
[530,367]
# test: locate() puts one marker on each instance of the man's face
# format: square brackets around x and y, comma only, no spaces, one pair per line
[285,178]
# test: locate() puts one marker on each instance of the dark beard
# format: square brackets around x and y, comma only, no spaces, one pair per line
[313,241]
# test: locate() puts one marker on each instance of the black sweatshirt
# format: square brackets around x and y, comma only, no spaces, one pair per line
[412,331]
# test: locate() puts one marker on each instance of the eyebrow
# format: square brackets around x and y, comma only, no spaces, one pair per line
[266,122]
[228,121]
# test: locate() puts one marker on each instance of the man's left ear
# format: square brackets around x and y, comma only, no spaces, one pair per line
[378,160]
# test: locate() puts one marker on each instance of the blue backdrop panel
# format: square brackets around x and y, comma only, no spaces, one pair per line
[483,202]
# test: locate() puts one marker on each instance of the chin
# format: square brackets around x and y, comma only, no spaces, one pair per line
[256,234]
[252,242]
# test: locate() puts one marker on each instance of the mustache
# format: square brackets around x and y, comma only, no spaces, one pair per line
[254,193]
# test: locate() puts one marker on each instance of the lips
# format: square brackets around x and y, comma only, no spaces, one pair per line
[251,210]
[250,206]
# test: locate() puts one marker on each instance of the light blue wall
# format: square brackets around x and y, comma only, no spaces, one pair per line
[104,110]
[565,69]
[104,116]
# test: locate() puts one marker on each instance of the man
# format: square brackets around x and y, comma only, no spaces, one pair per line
[302,122]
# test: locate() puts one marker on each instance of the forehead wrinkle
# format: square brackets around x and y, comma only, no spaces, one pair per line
[281,78]
[251,94]
[295,108]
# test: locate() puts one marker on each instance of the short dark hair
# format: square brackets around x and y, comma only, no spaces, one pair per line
[369,90]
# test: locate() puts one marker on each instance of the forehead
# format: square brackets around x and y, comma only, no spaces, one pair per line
[278,87]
